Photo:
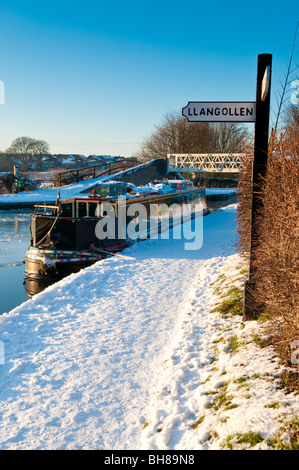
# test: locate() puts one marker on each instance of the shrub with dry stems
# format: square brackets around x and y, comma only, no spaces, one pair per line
[276,256]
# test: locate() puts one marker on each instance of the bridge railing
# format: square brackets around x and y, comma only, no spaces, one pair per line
[77,174]
[204,162]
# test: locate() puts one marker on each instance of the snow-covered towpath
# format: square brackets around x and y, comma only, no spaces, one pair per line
[80,357]
[83,360]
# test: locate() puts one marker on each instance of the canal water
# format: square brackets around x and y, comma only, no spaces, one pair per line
[14,241]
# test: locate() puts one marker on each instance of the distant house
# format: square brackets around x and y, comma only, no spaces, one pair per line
[112,158]
[48,161]
[59,159]
[68,160]
[95,159]
[73,159]
[104,158]
[79,159]
[44,162]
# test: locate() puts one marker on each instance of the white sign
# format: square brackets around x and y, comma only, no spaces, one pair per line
[219,112]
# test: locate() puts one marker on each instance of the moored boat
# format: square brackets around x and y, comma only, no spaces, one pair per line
[75,233]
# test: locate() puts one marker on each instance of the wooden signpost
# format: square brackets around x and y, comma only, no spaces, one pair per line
[259,169]
[259,113]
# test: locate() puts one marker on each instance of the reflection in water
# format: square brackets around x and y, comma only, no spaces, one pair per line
[12,291]
[14,240]
[215,202]
[35,286]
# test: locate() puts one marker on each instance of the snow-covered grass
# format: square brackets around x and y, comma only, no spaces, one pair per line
[133,354]
[217,388]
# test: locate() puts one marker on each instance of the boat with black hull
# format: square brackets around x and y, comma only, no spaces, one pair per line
[75,233]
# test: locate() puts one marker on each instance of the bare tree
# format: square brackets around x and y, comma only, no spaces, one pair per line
[41,147]
[230,137]
[177,135]
[288,78]
[28,146]
[28,149]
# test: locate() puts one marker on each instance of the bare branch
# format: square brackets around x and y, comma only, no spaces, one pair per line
[286,80]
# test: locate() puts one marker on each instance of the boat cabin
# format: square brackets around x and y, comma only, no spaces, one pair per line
[73,208]
[78,208]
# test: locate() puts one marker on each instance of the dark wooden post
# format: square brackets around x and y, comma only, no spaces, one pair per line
[259,169]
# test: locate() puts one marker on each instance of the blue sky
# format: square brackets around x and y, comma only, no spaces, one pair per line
[96,77]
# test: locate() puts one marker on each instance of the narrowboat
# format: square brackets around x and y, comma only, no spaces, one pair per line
[75,233]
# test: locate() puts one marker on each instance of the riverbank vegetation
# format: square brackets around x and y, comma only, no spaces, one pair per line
[275,247]
[276,262]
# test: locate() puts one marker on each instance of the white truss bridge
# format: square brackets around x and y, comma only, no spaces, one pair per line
[204,162]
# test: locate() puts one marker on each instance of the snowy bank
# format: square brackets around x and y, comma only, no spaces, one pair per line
[47,194]
[127,354]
